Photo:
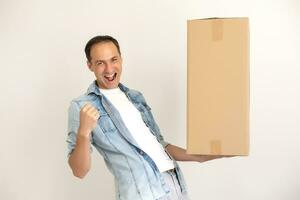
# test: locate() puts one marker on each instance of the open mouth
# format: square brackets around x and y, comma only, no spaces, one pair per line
[110,77]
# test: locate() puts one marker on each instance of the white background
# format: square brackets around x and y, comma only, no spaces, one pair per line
[43,68]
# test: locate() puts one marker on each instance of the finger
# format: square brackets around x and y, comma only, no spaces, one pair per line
[86,106]
[97,115]
[94,115]
[90,108]
[93,112]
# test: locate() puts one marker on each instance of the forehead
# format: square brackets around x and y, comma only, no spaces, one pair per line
[104,50]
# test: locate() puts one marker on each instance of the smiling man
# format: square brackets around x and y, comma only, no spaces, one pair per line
[118,122]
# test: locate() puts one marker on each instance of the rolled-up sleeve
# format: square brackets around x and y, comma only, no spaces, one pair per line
[73,125]
[161,138]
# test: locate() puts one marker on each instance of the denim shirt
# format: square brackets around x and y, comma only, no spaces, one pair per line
[136,175]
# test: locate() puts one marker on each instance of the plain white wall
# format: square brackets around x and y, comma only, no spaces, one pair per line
[43,68]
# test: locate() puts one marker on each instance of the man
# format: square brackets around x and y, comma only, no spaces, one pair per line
[119,123]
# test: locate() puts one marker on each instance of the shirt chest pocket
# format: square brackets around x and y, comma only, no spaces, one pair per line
[105,123]
[146,114]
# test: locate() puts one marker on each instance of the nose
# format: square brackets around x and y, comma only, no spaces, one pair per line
[109,68]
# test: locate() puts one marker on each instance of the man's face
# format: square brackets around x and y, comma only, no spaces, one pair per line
[106,63]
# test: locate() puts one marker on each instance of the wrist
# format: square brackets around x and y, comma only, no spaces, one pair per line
[84,132]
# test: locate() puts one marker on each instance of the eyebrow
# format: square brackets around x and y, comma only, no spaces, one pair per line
[106,60]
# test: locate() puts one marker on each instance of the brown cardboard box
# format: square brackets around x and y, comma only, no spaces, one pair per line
[218,86]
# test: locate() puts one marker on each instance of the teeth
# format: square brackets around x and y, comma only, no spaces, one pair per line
[110,76]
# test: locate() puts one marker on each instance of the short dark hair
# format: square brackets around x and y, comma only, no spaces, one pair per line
[99,39]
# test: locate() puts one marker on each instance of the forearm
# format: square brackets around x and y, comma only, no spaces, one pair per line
[179,154]
[80,159]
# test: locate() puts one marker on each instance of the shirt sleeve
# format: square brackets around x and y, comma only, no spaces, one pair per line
[73,125]
[161,138]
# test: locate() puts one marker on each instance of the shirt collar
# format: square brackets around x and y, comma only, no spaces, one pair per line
[93,88]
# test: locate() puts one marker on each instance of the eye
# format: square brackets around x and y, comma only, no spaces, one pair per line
[99,63]
[115,59]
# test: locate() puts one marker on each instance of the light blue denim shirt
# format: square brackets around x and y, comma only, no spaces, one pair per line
[136,175]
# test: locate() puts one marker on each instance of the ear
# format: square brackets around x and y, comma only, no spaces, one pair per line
[89,65]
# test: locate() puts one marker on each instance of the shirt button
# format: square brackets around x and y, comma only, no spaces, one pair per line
[141,152]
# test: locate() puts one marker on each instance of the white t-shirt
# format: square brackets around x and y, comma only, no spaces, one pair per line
[138,129]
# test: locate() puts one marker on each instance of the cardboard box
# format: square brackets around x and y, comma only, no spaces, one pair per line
[218,86]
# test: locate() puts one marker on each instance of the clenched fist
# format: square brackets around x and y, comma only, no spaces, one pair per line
[88,119]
